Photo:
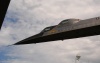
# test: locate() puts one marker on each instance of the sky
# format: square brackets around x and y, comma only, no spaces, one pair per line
[25,18]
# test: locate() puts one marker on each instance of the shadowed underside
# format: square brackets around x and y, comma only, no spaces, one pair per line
[3,9]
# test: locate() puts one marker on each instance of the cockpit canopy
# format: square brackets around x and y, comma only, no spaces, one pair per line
[48,28]
[69,21]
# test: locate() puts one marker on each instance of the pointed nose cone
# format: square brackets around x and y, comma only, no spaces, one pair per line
[18,43]
[22,42]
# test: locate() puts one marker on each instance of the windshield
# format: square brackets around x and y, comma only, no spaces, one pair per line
[47,29]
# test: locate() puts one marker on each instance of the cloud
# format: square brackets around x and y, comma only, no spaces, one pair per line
[57,51]
[26,18]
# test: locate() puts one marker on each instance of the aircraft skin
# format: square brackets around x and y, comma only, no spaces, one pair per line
[3,9]
[66,29]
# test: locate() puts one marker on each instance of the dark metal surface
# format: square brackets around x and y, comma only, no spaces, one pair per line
[83,28]
[3,9]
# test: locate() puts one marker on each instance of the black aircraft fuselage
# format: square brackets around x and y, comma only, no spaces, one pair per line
[66,29]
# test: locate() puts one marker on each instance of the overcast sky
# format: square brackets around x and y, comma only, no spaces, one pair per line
[25,18]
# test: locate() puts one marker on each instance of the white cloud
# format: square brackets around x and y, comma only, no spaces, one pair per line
[33,15]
